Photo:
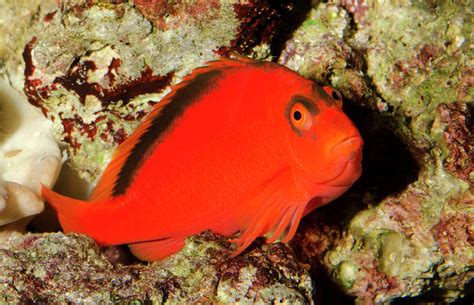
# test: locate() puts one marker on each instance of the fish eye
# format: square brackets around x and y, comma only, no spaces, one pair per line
[301,118]
[335,95]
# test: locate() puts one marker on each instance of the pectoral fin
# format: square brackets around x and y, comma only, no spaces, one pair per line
[276,208]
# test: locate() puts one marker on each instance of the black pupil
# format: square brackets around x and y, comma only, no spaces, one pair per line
[335,95]
[297,115]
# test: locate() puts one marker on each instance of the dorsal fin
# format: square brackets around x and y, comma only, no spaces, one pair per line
[118,174]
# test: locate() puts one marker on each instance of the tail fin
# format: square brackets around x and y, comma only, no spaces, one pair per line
[70,211]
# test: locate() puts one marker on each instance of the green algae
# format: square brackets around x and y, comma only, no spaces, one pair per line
[410,65]
[346,273]
[322,33]
[394,253]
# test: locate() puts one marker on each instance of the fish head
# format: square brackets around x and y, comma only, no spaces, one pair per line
[325,144]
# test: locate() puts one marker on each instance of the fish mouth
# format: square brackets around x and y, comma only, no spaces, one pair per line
[346,171]
[350,147]
[351,172]
[346,166]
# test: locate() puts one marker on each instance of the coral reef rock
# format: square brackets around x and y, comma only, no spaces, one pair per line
[71,268]
[19,20]
[406,229]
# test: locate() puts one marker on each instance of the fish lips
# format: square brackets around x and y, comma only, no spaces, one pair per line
[350,148]
[351,151]
[346,166]
[352,171]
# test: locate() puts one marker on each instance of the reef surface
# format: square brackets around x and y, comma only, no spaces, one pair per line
[45,268]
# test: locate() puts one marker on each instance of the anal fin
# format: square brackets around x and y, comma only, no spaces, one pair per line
[156,250]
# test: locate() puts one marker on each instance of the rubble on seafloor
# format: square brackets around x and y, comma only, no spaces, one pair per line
[402,234]
[58,268]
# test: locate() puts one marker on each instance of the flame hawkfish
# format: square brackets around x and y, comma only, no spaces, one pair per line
[237,146]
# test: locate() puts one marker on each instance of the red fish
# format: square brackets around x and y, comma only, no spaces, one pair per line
[238,145]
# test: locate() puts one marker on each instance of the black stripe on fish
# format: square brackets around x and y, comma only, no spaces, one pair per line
[182,99]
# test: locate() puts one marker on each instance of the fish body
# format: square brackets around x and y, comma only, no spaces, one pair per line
[238,145]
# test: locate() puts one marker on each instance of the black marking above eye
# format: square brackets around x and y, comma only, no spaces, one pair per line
[331,100]
[304,101]
[297,115]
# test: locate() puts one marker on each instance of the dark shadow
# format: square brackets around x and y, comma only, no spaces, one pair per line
[291,14]
[121,255]
[69,184]
[388,165]
[270,22]
[327,292]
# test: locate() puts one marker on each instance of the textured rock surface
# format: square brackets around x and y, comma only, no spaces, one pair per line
[96,70]
[57,268]
[411,64]
[19,20]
